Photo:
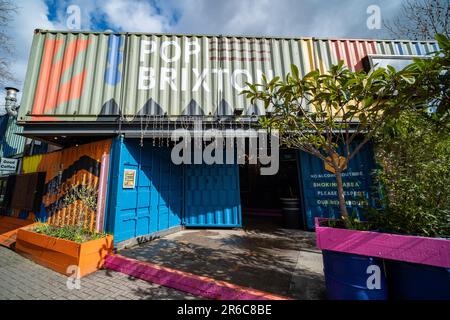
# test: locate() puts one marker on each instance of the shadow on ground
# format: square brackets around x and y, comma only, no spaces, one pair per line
[263,257]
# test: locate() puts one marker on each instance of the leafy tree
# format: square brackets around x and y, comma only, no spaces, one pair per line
[319,113]
[414,153]
[414,156]
[433,85]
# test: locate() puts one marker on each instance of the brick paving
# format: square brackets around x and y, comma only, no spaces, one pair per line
[21,279]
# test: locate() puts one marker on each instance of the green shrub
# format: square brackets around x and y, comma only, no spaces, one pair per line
[69,232]
[414,156]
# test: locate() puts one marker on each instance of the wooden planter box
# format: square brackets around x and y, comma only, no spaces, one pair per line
[414,249]
[58,254]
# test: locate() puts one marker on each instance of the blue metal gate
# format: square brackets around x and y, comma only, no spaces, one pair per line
[165,195]
[155,202]
[212,196]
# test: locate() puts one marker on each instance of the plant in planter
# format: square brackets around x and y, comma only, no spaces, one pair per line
[325,115]
[62,248]
[414,155]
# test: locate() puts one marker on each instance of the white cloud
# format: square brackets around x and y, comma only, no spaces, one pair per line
[331,18]
[134,16]
[31,15]
[120,15]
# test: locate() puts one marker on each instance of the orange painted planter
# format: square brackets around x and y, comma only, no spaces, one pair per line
[58,254]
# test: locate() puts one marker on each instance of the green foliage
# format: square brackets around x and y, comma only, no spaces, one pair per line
[351,222]
[87,194]
[413,151]
[432,88]
[414,155]
[318,113]
[409,113]
[68,232]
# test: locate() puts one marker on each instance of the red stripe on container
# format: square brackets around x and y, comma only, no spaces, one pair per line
[373,47]
[73,87]
[44,85]
[337,51]
[237,59]
[348,55]
[241,50]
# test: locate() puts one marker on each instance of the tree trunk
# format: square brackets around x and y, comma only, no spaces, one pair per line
[340,192]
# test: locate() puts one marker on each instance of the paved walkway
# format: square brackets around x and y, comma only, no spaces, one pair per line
[263,257]
[22,279]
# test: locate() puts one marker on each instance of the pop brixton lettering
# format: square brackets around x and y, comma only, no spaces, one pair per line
[171,52]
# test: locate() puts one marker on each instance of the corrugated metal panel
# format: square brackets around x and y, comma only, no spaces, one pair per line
[352,52]
[66,168]
[155,202]
[72,75]
[212,196]
[31,163]
[165,195]
[95,76]
[12,143]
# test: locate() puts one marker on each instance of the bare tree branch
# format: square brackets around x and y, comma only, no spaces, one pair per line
[420,20]
[7,10]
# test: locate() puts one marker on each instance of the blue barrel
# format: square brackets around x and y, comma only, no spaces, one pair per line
[354,277]
[411,281]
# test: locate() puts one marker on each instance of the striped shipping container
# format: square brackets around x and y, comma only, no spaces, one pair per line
[89,76]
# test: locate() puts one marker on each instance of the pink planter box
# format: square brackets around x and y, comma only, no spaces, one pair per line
[414,249]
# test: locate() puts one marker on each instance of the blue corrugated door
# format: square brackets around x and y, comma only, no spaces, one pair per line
[155,203]
[212,196]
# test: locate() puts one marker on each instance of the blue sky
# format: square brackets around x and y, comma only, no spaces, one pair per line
[319,18]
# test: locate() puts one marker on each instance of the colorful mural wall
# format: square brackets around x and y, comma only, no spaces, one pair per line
[69,173]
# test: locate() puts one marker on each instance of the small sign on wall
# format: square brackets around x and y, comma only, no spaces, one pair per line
[129,179]
[7,164]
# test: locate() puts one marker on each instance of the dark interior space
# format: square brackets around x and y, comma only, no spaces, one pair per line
[261,196]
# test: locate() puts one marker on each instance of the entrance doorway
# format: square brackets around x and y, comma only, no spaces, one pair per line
[261,196]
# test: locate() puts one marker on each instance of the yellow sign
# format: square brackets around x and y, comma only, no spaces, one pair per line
[129,179]
[341,161]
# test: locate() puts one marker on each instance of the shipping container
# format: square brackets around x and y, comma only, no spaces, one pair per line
[89,76]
